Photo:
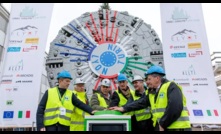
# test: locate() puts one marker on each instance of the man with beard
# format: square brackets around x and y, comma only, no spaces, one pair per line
[100,100]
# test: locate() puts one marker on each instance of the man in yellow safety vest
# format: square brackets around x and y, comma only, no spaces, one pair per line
[121,95]
[77,118]
[143,116]
[57,104]
[100,100]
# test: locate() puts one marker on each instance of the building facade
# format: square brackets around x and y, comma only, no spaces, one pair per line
[216,63]
[4,19]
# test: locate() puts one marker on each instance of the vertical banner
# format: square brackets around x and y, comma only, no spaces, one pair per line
[187,60]
[21,77]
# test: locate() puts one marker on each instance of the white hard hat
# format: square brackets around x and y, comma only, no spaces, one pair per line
[79,81]
[106,82]
[137,77]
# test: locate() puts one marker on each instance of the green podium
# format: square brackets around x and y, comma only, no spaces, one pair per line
[107,120]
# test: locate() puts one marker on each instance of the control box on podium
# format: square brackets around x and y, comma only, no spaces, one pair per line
[107,120]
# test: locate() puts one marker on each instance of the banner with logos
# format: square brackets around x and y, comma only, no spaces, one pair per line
[187,60]
[21,78]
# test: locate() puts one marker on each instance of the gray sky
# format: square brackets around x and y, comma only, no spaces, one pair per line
[63,13]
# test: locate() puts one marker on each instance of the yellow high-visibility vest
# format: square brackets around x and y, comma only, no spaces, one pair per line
[123,101]
[52,113]
[159,107]
[77,117]
[142,114]
[102,101]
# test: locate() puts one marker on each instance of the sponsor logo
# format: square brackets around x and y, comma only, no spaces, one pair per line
[9,102]
[8,89]
[189,71]
[194,102]
[28,13]
[199,79]
[177,47]
[195,91]
[27,31]
[189,91]
[178,55]
[184,84]
[195,54]
[13,49]
[4,76]
[32,40]
[11,89]
[23,81]
[181,79]
[24,75]
[30,48]
[6,81]
[200,84]
[184,35]
[16,67]
[15,88]
[180,15]
[15,41]
[66,98]
[194,45]
[161,95]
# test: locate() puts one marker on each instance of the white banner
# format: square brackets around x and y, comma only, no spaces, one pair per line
[187,59]
[21,78]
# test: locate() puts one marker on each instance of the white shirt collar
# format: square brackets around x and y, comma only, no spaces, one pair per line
[158,87]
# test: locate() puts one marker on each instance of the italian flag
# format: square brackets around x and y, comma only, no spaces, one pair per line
[210,112]
[27,114]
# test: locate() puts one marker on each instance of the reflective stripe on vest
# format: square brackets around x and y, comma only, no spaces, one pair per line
[123,101]
[185,118]
[102,101]
[77,122]
[55,109]
[142,114]
[159,107]
[163,109]
[77,118]
[53,105]
[57,116]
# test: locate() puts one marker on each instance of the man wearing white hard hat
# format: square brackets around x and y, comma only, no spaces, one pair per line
[100,100]
[77,118]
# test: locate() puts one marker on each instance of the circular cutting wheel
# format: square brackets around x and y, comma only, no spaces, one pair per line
[102,44]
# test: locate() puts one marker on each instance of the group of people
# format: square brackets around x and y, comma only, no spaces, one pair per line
[155,103]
